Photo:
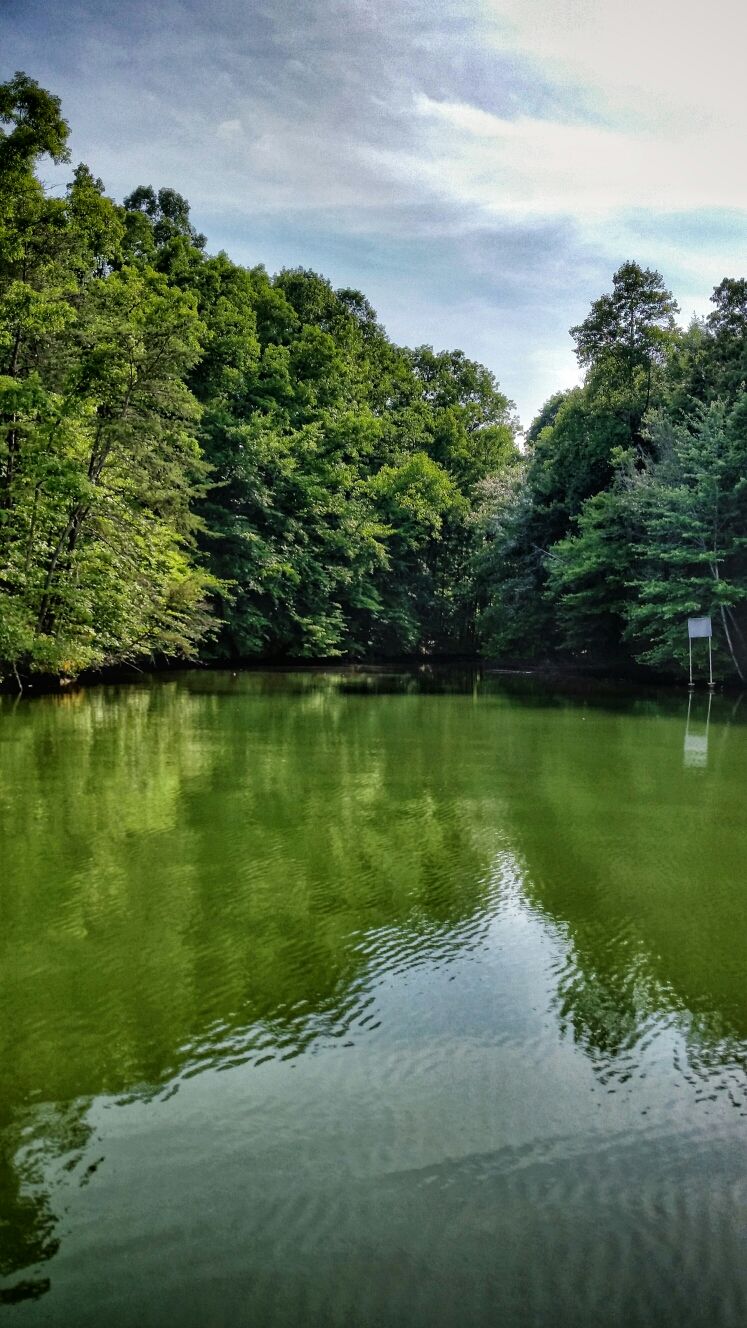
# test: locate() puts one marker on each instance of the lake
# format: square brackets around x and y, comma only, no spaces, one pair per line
[372,1000]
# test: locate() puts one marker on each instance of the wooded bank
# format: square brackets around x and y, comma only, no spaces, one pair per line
[200,460]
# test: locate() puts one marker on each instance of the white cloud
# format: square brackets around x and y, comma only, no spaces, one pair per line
[535,166]
[665,60]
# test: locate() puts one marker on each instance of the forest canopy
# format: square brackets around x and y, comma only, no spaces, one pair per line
[200,460]
[628,512]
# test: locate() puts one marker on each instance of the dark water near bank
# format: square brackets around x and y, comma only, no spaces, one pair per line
[332,1000]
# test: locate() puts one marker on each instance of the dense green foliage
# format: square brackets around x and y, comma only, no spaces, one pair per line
[629,511]
[196,453]
[196,456]
[100,462]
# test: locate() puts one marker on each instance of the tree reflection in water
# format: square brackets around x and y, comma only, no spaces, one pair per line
[212,871]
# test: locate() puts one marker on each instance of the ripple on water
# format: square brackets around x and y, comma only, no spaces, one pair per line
[451,990]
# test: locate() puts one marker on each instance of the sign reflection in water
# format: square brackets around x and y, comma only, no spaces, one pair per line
[696,733]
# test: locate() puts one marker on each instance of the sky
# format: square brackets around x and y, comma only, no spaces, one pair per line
[478,168]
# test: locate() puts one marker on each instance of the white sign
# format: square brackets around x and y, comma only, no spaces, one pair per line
[697,627]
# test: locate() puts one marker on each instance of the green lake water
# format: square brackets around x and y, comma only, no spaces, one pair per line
[368,1001]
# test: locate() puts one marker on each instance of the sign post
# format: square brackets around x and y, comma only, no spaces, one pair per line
[697,629]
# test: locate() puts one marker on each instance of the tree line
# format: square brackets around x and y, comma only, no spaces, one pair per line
[196,455]
[199,459]
[628,512]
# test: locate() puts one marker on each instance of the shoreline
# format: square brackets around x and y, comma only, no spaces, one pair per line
[572,679]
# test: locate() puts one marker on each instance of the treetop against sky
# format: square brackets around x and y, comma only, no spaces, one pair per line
[477,166]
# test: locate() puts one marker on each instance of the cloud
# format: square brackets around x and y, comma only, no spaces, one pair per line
[667,63]
[479,167]
[527,166]
[229,129]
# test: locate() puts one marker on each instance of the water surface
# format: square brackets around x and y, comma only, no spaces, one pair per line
[358,1000]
